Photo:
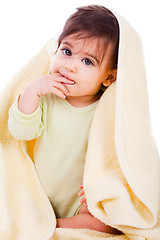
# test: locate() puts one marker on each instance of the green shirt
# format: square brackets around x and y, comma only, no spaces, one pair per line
[62,132]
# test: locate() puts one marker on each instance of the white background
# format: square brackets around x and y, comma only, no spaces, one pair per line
[26,26]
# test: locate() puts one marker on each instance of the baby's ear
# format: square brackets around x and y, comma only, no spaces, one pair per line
[111,77]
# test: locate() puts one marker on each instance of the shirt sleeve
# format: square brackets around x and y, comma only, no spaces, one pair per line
[23,126]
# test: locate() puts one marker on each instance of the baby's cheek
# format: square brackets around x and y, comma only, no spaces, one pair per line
[54,66]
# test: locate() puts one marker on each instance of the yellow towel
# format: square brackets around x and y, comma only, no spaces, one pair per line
[122,171]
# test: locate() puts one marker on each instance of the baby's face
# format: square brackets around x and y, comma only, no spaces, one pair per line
[76,60]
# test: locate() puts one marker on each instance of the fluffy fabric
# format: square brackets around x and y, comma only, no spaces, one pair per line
[122,172]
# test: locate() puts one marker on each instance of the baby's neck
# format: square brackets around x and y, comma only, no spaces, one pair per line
[83,101]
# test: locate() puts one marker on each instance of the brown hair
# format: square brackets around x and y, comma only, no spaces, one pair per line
[93,21]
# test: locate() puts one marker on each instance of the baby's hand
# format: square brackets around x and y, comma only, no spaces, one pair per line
[51,83]
[81,193]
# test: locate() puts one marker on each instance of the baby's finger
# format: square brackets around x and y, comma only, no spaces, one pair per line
[81,193]
[81,185]
[60,78]
[58,93]
[86,205]
[83,200]
[60,87]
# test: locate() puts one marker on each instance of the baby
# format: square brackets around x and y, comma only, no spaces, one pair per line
[57,110]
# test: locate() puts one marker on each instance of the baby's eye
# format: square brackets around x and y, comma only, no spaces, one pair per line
[66,52]
[87,61]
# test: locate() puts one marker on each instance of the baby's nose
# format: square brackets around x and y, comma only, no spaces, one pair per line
[71,66]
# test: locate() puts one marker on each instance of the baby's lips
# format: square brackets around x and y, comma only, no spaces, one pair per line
[70,81]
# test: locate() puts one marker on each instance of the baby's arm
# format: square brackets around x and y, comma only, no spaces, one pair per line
[25,115]
[52,83]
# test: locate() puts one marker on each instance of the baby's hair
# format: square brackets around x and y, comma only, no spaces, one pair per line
[94,21]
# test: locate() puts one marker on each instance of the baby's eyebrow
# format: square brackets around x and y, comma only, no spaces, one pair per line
[67,43]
